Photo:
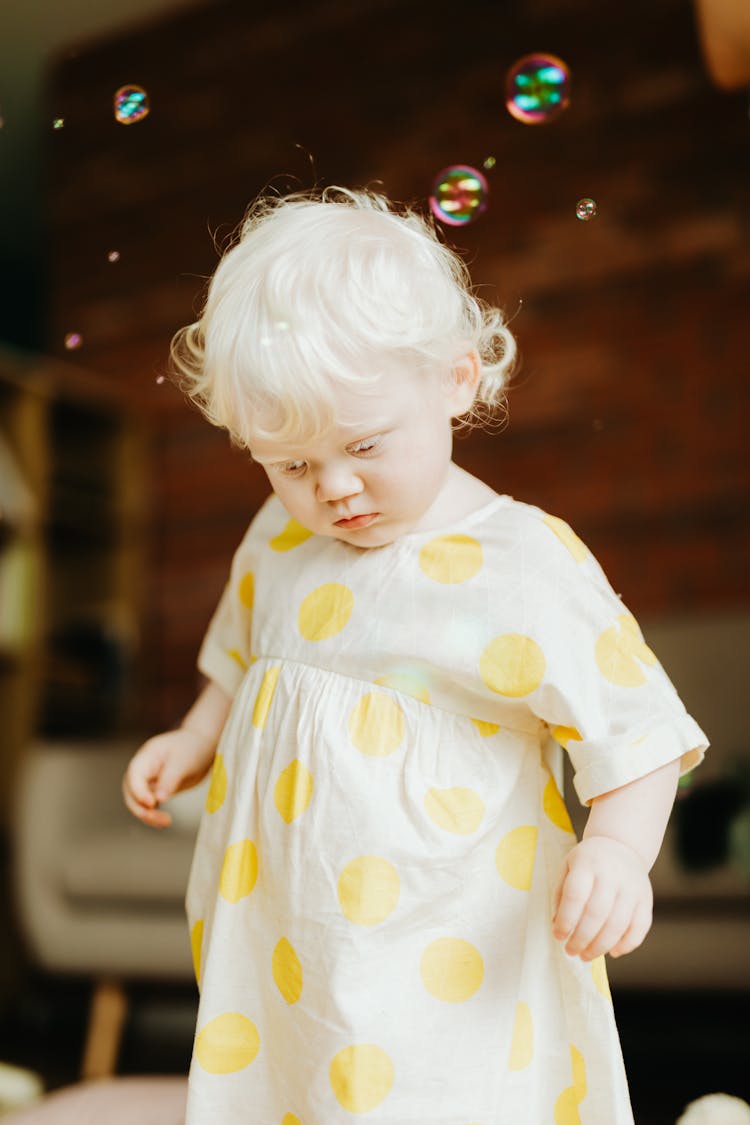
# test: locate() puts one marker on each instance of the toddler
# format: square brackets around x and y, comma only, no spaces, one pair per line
[390,915]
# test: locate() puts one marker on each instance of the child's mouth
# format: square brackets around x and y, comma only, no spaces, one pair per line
[358,521]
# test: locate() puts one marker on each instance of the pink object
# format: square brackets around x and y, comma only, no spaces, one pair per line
[116,1101]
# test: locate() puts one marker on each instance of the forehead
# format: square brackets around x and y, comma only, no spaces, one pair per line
[390,400]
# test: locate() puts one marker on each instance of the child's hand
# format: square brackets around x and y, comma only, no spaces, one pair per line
[603,900]
[162,767]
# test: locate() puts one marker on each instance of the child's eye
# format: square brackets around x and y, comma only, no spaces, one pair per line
[290,468]
[365,446]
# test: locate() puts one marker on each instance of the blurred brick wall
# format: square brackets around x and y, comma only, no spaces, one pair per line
[629,415]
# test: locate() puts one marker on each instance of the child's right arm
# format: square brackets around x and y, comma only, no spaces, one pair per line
[177,759]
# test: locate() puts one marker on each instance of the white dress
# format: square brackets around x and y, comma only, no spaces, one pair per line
[370,898]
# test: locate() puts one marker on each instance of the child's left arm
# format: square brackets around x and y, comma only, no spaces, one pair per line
[603,899]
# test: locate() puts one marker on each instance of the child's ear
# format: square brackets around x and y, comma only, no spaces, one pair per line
[462,384]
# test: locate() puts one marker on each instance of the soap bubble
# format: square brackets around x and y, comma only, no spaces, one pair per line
[586,209]
[113,256]
[58,122]
[73,340]
[489,162]
[537,89]
[459,195]
[131,104]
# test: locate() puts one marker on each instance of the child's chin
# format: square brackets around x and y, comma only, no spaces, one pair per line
[374,536]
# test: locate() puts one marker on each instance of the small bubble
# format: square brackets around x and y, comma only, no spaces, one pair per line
[459,195]
[58,123]
[161,379]
[131,104]
[585,209]
[73,340]
[113,256]
[489,162]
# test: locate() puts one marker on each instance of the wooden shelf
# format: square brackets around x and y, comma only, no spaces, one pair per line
[71,617]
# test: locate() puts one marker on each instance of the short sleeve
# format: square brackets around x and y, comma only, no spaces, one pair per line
[603,693]
[225,653]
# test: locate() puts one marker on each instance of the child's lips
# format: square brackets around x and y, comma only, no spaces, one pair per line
[358,521]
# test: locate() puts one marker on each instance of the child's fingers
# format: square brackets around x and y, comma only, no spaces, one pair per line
[155,817]
[594,915]
[614,927]
[574,895]
[636,931]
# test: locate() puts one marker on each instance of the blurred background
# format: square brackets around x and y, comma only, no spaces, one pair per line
[120,507]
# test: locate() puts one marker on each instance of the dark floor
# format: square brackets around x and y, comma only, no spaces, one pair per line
[677,1046]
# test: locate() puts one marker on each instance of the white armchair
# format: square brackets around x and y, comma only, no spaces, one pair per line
[97,893]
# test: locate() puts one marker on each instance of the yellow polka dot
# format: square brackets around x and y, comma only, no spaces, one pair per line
[486,729]
[456,810]
[599,973]
[514,857]
[452,969]
[217,789]
[522,1047]
[376,725]
[566,1106]
[290,1119]
[264,696]
[554,806]
[239,870]
[512,665]
[451,558]
[565,735]
[325,611]
[408,681]
[293,790]
[227,1043]
[368,889]
[619,650]
[361,1077]
[287,971]
[292,535]
[567,536]
[238,658]
[196,941]
[246,589]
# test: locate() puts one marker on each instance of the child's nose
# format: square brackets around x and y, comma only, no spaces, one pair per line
[336,482]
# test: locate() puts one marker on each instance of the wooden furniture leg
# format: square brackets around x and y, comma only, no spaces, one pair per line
[109,1005]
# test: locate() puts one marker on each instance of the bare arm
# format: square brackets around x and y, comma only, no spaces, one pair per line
[209,713]
[603,901]
[177,759]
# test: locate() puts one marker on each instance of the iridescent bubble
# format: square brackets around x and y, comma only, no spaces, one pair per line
[459,195]
[537,89]
[58,123]
[131,104]
[113,256]
[73,340]
[585,209]
[489,162]
[161,379]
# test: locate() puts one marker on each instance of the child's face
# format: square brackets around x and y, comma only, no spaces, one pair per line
[380,468]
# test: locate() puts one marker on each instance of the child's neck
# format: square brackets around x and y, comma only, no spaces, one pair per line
[460,495]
